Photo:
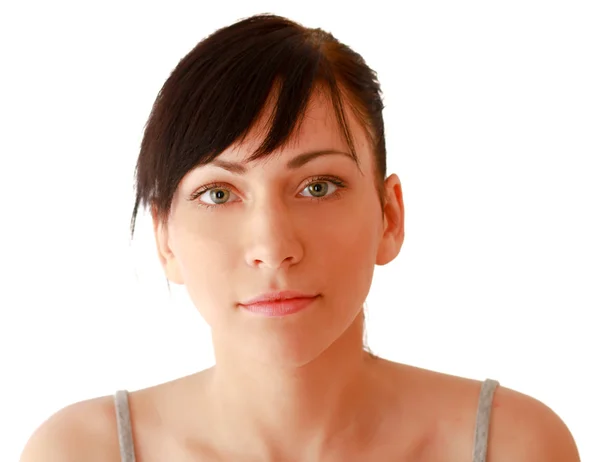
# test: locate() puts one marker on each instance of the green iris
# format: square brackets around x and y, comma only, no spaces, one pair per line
[219,196]
[318,189]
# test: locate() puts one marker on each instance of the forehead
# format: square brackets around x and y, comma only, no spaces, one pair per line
[318,129]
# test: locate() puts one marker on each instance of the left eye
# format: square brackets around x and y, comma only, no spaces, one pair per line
[319,188]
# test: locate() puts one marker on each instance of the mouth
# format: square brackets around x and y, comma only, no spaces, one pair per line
[279,303]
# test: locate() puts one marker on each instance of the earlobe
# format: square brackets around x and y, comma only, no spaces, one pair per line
[165,255]
[393,222]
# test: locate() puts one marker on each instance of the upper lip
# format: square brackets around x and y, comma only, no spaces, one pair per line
[277,296]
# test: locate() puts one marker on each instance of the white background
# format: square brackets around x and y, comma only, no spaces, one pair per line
[493,125]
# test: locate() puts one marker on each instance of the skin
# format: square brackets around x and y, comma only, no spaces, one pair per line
[298,388]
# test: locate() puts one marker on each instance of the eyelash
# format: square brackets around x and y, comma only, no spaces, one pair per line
[316,179]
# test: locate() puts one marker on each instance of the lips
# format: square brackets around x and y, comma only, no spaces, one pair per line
[279,303]
[278,296]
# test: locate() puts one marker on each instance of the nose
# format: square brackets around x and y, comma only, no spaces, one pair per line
[272,240]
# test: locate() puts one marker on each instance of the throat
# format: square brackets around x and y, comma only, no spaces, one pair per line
[300,413]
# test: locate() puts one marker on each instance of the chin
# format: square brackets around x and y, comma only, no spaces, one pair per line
[286,352]
[299,345]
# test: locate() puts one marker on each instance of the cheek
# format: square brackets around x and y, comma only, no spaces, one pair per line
[350,230]
[207,261]
[345,247]
[200,250]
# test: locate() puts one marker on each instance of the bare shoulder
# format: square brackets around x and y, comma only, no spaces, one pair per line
[82,431]
[521,428]
[525,429]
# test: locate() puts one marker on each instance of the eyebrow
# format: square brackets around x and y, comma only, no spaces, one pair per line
[295,163]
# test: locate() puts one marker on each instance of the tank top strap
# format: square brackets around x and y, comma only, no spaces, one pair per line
[482,422]
[125,434]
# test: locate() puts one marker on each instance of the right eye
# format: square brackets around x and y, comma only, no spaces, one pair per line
[217,195]
[213,195]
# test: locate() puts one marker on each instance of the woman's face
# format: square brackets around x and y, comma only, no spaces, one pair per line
[313,224]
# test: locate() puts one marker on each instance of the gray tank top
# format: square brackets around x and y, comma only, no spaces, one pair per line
[482,423]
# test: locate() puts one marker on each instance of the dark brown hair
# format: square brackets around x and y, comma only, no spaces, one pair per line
[215,94]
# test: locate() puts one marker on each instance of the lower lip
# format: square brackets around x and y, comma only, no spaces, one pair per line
[280,308]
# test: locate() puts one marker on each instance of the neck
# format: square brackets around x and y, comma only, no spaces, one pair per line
[280,413]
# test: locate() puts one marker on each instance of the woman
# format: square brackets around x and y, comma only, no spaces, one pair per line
[264,166]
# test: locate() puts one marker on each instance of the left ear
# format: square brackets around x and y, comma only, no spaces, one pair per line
[393,221]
